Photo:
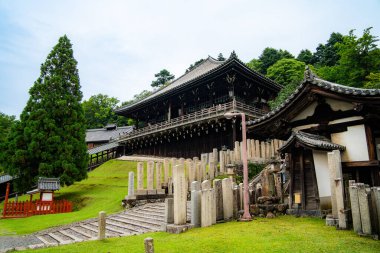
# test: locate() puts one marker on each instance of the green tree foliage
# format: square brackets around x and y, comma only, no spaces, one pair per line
[305,56]
[221,57]
[327,54]
[6,123]
[359,63]
[286,70]
[289,73]
[267,58]
[255,64]
[162,78]
[49,139]
[99,111]
[373,81]
[194,65]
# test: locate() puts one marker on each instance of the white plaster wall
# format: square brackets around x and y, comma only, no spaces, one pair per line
[339,105]
[355,141]
[322,173]
[308,111]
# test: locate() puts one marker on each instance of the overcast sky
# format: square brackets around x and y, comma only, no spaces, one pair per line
[120,45]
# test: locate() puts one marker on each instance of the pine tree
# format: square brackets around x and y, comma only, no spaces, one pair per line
[49,140]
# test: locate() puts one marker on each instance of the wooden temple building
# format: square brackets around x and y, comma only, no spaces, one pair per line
[186,117]
[317,118]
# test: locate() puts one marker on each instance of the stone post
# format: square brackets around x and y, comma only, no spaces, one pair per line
[173,163]
[158,175]
[227,157]
[140,179]
[257,149]
[249,152]
[166,171]
[131,185]
[206,204]
[169,210]
[203,171]
[198,171]
[237,152]
[204,158]
[241,196]
[150,178]
[218,199]
[192,172]
[213,206]
[222,162]
[170,186]
[102,225]
[262,146]
[235,202]
[241,151]
[180,195]
[375,195]
[364,209]
[227,198]
[149,246]
[215,155]
[211,170]
[355,211]
[335,166]
[195,204]
[252,143]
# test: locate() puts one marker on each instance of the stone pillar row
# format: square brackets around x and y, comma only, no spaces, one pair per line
[256,150]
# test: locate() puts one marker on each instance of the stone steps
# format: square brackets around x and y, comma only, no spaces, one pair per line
[138,220]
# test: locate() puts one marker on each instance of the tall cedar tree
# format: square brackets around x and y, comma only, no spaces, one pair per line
[49,140]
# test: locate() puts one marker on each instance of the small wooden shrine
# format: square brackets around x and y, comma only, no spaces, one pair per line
[45,205]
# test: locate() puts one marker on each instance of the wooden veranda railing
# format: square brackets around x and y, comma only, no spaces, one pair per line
[204,114]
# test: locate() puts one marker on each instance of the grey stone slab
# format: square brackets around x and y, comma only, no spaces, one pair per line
[196,208]
[180,195]
[227,198]
[364,209]
[169,210]
[355,210]
[218,199]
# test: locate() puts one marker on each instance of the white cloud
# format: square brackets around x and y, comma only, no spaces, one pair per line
[120,45]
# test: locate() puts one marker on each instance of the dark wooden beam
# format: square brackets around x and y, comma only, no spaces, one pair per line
[361,164]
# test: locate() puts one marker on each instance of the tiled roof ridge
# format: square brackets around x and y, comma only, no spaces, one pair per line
[233,57]
[310,77]
[312,140]
[209,58]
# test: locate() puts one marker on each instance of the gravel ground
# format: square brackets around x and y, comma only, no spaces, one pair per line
[9,242]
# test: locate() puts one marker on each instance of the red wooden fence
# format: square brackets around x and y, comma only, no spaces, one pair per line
[26,208]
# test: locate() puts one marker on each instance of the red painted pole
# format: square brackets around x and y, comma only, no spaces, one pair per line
[246,215]
[6,199]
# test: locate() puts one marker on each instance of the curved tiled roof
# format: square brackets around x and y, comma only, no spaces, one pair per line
[208,66]
[311,79]
[104,147]
[104,135]
[312,141]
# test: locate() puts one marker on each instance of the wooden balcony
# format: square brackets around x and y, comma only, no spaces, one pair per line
[213,112]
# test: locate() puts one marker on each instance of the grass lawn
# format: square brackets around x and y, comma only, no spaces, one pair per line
[103,190]
[282,234]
